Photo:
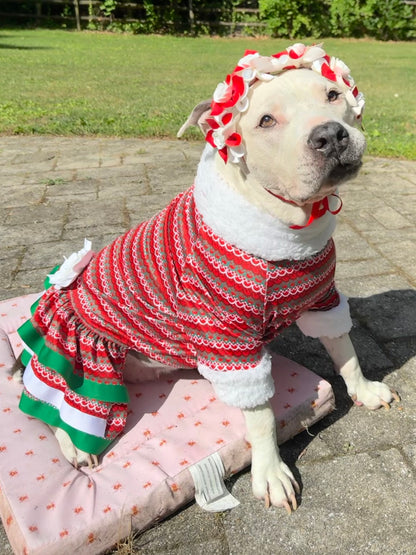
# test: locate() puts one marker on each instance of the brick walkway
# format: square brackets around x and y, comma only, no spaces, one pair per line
[357,467]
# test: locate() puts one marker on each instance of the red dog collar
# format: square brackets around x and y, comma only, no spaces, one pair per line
[319,209]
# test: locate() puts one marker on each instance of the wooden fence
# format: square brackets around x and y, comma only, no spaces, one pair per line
[83,13]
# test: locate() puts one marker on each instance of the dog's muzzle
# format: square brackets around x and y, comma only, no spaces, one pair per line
[330,138]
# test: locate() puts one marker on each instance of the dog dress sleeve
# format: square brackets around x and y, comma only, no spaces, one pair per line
[243,388]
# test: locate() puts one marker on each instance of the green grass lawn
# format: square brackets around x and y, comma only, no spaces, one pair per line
[66,83]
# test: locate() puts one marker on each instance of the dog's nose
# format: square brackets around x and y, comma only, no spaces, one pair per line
[330,138]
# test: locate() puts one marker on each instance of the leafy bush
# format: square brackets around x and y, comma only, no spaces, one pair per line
[296,18]
[346,18]
[381,19]
[159,16]
[173,16]
[384,20]
[389,20]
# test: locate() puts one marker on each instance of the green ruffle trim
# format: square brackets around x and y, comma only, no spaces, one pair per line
[49,414]
[109,393]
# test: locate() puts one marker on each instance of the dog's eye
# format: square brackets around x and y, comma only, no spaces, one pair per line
[267,121]
[333,95]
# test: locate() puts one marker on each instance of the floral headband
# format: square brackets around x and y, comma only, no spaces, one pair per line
[230,97]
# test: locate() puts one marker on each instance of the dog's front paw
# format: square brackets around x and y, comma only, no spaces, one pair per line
[72,454]
[274,482]
[373,394]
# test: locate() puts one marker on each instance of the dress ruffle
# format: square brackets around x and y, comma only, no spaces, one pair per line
[73,377]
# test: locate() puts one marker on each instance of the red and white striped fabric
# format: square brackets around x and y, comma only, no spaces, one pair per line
[175,291]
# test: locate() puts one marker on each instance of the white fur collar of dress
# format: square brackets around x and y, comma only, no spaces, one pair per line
[245,226]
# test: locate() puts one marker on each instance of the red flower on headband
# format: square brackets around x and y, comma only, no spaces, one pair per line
[216,139]
[227,94]
[328,73]
[234,140]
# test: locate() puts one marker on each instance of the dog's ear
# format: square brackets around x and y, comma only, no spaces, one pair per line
[198,116]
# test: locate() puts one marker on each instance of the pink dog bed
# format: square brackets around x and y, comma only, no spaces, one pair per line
[175,432]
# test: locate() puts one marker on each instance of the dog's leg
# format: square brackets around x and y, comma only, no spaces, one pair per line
[17,370]
[362,391]
[72,454]
[272,479]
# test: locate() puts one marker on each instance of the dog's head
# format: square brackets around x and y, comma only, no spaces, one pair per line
[291,133]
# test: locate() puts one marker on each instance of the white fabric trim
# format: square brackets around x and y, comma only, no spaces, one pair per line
[327,323]
[81,421]
[27,348]
[244,389]
[240,223]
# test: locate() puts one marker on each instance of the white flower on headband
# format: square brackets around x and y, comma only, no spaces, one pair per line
[339,68]
[221,93]
[230,98]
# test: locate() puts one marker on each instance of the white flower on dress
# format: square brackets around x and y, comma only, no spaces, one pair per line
[72,266]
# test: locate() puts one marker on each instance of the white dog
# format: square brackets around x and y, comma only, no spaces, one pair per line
[214,277]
